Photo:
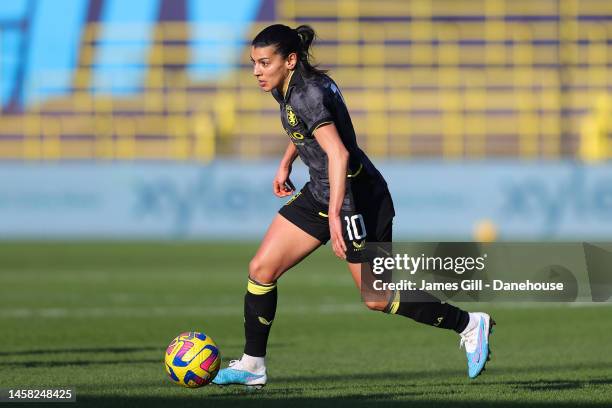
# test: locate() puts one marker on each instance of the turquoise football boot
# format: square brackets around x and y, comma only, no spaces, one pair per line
[476,342]
[235,374]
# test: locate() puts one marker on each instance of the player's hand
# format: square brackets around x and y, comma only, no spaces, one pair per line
[337,240]
[282,185]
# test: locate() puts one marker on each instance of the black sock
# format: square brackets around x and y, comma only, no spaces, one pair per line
[425,308]
[259,311]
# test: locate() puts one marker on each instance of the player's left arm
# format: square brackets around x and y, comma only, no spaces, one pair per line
[337,157]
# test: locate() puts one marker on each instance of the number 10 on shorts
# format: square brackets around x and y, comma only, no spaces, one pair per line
[353,229]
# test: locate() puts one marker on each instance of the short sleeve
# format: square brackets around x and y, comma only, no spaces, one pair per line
[314,107]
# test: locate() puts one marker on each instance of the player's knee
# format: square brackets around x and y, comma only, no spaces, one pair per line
[260,272]
[376,305]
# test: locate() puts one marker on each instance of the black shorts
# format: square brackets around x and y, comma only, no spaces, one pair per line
[372,220]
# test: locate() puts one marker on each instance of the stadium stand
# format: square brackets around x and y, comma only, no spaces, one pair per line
[453,79]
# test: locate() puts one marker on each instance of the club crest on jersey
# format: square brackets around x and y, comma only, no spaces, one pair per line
[291,116]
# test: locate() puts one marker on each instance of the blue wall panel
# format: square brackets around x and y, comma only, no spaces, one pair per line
[54,48]
[433,200]
[220,28]
[9,61]
[125,46]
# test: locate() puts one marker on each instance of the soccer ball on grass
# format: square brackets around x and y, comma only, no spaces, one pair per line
[192,359]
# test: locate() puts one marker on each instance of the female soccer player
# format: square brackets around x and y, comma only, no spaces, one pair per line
[346,201]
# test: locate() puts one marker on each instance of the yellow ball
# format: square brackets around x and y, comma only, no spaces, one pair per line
[485,231]
[192,359]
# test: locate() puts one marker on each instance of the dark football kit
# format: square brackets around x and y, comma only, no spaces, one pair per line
[367,211]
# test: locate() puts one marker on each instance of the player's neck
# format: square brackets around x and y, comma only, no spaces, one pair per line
[287,81]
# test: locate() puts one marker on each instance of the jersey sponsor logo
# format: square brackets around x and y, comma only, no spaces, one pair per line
[294,135]
[291,116]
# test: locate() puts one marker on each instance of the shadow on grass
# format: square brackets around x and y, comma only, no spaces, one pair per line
[444,375]
[63,363]
[396,376]
[117,350]
[435,388]
[60,362]
[553,385]
[352,401]
[113,350]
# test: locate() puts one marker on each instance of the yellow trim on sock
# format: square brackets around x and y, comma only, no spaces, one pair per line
[258,288]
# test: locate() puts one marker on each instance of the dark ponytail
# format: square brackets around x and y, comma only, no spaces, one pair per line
[287,40]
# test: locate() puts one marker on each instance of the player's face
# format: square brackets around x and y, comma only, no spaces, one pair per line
[270,68]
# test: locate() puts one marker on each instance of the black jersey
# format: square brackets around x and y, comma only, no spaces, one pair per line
[312,101]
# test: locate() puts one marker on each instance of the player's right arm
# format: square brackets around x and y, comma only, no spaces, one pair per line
[282,185]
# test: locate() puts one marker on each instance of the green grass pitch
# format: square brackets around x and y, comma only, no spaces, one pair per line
[97,317]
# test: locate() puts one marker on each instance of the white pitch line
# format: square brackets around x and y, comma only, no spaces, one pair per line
[161,311]
[146,311]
